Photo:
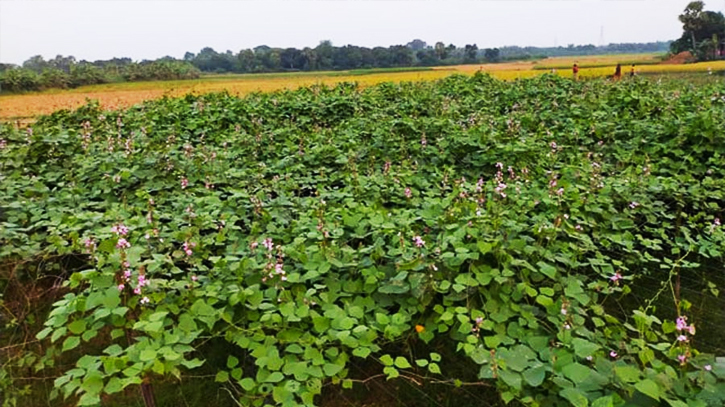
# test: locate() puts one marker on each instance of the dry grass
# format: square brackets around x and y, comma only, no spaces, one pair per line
[119,95]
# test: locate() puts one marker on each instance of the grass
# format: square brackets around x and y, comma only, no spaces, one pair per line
[24,107]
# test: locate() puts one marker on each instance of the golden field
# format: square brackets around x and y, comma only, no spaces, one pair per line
[118,95]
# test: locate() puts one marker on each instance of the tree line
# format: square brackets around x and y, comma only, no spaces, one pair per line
[325,56]
[66,72]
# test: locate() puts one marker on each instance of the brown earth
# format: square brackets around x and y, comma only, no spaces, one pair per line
[681,58]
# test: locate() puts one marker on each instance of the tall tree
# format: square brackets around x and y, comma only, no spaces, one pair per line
[691,19]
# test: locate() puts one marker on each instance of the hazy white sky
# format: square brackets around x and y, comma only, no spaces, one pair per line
[143,29]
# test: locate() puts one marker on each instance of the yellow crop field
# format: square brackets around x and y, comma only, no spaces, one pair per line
[118,95]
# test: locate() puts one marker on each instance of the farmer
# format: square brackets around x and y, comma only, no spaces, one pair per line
[631,73]
[618,73]
[575,71]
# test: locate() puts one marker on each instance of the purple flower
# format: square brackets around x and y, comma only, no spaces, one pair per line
[633,204]
[186,247]
[121,287]
[681,323]
[408,193]
[123,244]
[137,290]
[194,278]
[616,277]
[90,243]
[479,320]
[119,229]
[708,367]
[268,244]
[418,241]
[578,227]
[682,338]
[560,191]
[716,222]
[184,183]
[253,245]
[145,300]
[682,358]
[613,354]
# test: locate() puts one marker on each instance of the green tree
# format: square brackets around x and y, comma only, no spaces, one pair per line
[441,51]
[471,53]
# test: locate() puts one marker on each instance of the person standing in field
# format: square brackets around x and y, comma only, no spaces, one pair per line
[575,71]
[631,73]
[617,72]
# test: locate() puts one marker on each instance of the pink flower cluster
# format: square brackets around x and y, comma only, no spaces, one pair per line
[616,277]
[419,242]
[408,192]
[184,183]
[90,244]
[123,244]
[119,229]
[682,325]
[186,247]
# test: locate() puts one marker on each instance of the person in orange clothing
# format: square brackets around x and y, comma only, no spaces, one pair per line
[575,71]
[617,73]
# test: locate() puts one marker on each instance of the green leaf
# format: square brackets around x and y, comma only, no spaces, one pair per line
[247,383]
[114,386]
[535,376]
[147,355]
[71,342]
[232,362]
[331,369]
[433,368]
[89,399]
[648,388]
[627,374]
[484,247]
[513,379]
[361,352]
[387,360]
[575,396]
[274,377]
[402,363]
[44,333]
[547,269]
[606,401]
[584,348]
[222,376]
[576,372]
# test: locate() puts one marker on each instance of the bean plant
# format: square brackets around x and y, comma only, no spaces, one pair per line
[307,229]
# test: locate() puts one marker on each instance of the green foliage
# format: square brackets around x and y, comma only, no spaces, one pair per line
[313,227]
[38,74]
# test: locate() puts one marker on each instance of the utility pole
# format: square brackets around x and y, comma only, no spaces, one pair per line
[601,37]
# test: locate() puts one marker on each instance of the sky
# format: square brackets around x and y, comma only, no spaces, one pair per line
[149,29]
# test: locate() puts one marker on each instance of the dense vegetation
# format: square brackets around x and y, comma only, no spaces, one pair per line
[703,33]
[65,72]
[469,231]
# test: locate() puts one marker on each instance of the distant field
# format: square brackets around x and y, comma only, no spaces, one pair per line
[118,95]
[595,61]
